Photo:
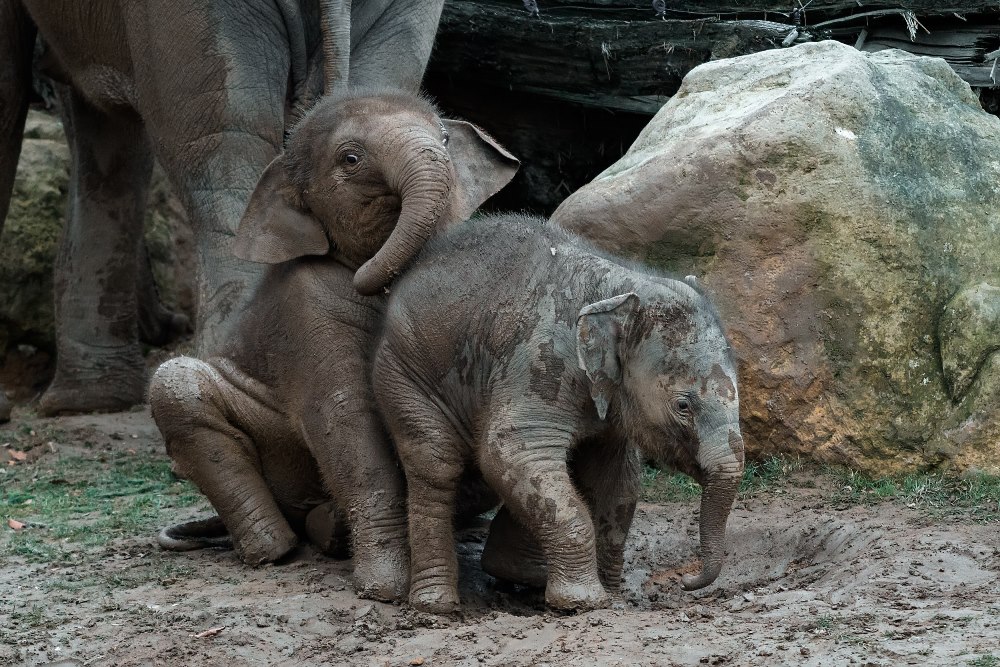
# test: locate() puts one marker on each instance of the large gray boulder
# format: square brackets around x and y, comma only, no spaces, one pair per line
[843,209]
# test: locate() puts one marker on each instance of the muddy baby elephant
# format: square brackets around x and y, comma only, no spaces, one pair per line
[513,347]
[285,418]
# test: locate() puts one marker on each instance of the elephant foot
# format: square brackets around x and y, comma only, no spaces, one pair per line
[436,599]
[328,531]
[201,534]
[268,545]
[109,390]
[4,408]
[384,577]
[512,555]
[576,596]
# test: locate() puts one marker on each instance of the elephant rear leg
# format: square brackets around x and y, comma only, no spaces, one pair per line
[158,325]
[17,39]
[99,365]
[191,406]
[512,554]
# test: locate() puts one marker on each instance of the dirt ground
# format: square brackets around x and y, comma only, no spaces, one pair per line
[807,581]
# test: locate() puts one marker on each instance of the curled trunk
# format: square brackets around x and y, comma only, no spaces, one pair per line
[424,184]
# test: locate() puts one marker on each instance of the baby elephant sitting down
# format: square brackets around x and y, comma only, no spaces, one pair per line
[283,418]
[513,347]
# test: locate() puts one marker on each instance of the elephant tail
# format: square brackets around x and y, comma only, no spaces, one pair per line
[201,534]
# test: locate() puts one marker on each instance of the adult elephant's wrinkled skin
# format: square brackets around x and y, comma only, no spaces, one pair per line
[515,349]
[205,87]
[284,417]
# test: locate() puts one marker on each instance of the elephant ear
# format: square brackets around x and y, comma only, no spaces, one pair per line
[274,228]
[482,167]
[600,329]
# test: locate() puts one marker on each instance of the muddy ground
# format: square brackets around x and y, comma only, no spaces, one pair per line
[810,580]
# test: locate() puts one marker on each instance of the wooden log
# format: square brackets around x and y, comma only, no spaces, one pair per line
[569,90]
[616,64]
[743,8]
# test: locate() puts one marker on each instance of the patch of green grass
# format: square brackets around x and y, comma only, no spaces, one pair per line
[766,475]
[977,496]
[75,503]
[758,477]
[985,660]
[663,486]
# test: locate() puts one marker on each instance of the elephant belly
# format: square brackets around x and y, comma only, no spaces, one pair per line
[86,47]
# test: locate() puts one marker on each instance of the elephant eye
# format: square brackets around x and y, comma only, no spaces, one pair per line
[351,158]
[683,406]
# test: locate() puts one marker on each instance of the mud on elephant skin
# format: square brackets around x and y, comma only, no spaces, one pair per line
[549,382]
[285,419]
[181,81]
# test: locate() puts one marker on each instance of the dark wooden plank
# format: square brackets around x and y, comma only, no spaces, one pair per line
[696,8]
[622,65]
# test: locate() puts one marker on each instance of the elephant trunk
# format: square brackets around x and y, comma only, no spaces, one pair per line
[424,182]
[336,29]
[722,481]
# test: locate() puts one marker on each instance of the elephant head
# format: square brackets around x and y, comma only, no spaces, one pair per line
[664,361]
[368,176]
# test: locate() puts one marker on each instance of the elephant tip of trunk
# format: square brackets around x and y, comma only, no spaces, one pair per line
[692,582]
[368,280]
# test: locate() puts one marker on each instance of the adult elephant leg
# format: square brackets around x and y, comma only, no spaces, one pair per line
[99,365]
[17,39]
[381,30]
[158,325]
[608,475]
[214,103]
[200,414]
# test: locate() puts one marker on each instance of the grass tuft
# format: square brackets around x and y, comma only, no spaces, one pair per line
[74,503]
[975,495]
[664,486]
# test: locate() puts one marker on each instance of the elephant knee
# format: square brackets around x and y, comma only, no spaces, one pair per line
[180,392]
[176,382]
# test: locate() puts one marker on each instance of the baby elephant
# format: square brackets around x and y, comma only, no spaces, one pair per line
[513,347]
[284,418]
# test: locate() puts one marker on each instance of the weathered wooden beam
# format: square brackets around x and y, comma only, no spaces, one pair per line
[817,8]
[964,47]
[569,90]
[586,53]
[624,65]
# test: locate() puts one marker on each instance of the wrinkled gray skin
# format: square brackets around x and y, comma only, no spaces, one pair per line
[513,348]
[204,86]
[284,418]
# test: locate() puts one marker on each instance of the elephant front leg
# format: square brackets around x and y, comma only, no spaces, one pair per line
[608,475]
[99,365]
[356,461]
[528,468]
[214,104]
[191,404]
